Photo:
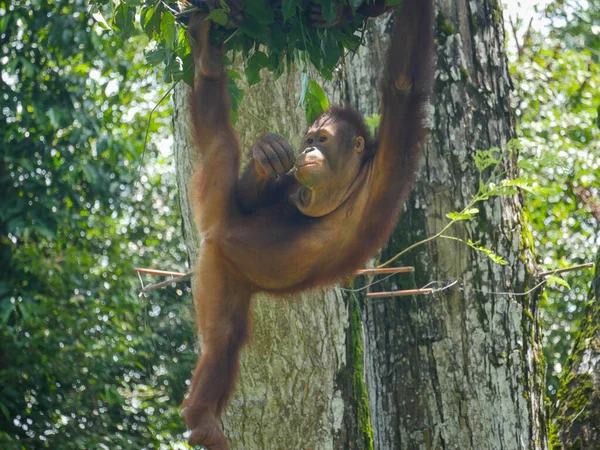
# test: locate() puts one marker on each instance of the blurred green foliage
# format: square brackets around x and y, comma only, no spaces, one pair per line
[85,362]
[557,78]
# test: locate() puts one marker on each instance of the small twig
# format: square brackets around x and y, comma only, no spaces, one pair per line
[578,414]
[515,36]
[180,276]
[399,293]
[385,270]
[159,272]
[168,282]
[150,121]
[168,7]
[566,269]
[527,35]
[231,36]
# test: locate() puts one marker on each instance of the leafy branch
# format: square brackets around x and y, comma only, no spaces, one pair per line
[493,185]
[267,37]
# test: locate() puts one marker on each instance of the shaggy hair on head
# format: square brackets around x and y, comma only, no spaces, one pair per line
[353,122]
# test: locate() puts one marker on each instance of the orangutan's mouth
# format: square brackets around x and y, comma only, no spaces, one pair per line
[308,164]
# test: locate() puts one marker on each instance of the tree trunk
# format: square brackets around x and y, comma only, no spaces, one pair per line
[577,414]
[460,369]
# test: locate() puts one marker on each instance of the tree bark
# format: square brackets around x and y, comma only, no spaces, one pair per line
[460,369]
[577,414]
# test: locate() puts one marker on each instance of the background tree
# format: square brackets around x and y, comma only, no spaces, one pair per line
[84,362]
[577,415]
[557,81]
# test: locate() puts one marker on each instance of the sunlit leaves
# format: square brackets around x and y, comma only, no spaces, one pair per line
[267,38]
[488,252]
[315,101]
[98,17]
[373,123]
[83,358]
[486,158]
[557,83]
[493,182]
[466,214]
[168,30]
[555,280]
[123,20]
[151,19]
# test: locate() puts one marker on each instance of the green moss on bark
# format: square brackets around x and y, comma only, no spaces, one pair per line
[359,387]
[444,28]
[356,432]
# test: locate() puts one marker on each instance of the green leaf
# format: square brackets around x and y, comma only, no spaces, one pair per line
[6,309]
[237,95]
[167,29]
[261,11]
[289,8]
[256,62]
[98,17]
[155,55]
[90,174]
[4,22]
[373,122]
[462,215]
[486,158]
[5,411]
[520,183]
[331,49]
[355,4]
[24,310]
[151,20]
[317,90]
[234,75]
[253,29]
[351,41]
[488,252]
[303,87]
[123,20]
[218,16]
[555,280]
[329,10]
[42,228]
[315,101]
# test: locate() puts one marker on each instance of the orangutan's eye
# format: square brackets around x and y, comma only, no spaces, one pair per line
[323,139]
[309,141]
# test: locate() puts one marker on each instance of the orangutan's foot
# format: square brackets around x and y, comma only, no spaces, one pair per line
[205,430]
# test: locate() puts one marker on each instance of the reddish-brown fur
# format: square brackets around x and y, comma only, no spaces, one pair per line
[256,240]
